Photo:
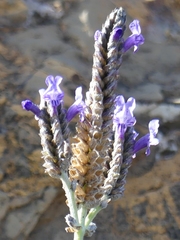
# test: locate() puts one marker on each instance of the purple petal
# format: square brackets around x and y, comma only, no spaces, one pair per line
[119,102]
[135,39]
[117,34]
[30,106]
[149,139]
[143,142]
[129,43]
[53,95]
[135,27]
[153,127]
[77,107]
[124,111]
[96,35]
[153,130]
[131,104]
[123,115]
[139,40]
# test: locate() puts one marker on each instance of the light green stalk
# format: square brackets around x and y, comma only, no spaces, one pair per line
[70,195]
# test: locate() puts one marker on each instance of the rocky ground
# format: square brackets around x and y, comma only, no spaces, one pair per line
[32,205]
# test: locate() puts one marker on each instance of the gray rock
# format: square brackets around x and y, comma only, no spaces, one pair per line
[38,42]
[166,112]
[23,220]
[83,21]
[4,203]
[148,93]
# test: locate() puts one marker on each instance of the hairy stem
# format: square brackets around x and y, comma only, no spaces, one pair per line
[92,214]
[82,212]
[70,195]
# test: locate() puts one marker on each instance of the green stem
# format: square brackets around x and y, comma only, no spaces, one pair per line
[91,215]
[82,212]
[79,235]
[85,221]
[70,195]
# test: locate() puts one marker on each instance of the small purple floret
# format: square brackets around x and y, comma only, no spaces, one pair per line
[117,34]
[149,139]
[30,106]
[136,38]
[97,34]
[123,115]
[77,107]
[53,94]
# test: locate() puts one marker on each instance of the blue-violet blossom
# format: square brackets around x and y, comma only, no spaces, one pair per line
[30,106]
[123,118]
[53,94]
[136,38]
[97,34]
[149,139]
[77,107]
[123,115]
[117,33]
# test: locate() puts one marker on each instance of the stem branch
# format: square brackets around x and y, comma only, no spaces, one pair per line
[70,196]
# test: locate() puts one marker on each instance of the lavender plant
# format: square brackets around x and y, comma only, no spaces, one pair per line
[94,167]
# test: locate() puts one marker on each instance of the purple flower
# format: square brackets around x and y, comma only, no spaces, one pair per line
[30,106]
[123,115]
[77,107]
[117,33]
[96,35]
[136,38]
[53,95]
[149,139]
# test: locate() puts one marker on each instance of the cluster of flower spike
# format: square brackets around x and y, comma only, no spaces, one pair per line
[97,161]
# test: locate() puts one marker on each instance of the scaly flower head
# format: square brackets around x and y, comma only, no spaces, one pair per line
[123,115]
[77,107]
[136,38]
[149,139]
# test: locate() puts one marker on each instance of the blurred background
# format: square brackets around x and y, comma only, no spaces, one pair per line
[39,38]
